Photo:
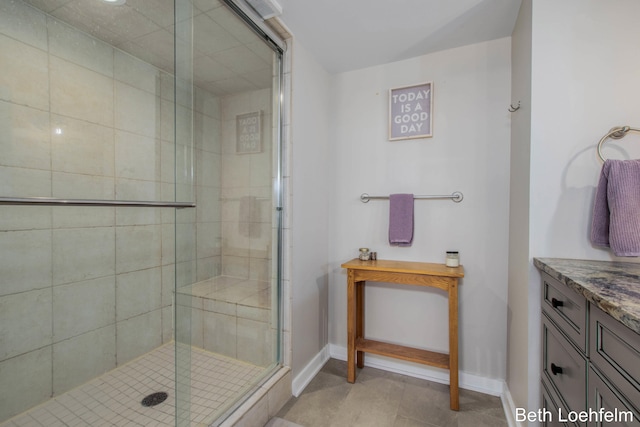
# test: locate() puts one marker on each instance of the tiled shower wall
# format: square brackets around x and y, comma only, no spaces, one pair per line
[247,191]
[84,289]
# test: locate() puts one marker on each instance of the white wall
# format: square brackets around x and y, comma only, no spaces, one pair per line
[469,152]
[517,323]
[584,82]
[585,57]
[311,183]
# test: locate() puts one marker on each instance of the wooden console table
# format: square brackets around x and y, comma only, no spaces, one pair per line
[406,273]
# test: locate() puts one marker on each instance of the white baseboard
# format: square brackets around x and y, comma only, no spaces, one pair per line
[465,380]
[306,375]
[509,407]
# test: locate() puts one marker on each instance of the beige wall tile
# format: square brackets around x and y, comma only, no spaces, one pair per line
[137,73]
[83,306]
[82,254]
[209,267]
[82,358]
[236,171]
[208,204]
[184,125]
[220,333]
[258,415]
[260,269]
[26,322]
[167,324]
[167,121]
[80,186]
[168,164]
[208,239]
[262,315]
[80,48]
[168,244]
[133,189]
[26,260]
[22,22]
[186,242]
[82,147]
[24,140]
[30,378]
[137,111]
[196,317]
[80,93]
[137,156]
[208,168]
[138,247]
[82,216]
[13,218]
[207,104]
[260,173]
[279,394]
[235,266]
[255,342]
[24,78]
[168,284]
[131,343]
[207,133]
[138,292]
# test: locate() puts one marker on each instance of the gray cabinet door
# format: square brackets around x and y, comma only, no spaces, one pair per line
[563,367]
[602,400]
[567,309]
[615,350]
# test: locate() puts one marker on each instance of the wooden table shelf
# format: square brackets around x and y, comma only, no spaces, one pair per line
[407,273]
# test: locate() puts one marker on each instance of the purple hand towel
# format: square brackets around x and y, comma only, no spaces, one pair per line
[616,210]
[401,219]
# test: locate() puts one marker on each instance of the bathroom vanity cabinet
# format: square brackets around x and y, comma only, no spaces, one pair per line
[590,342]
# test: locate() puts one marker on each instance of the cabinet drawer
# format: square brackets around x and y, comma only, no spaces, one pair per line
[615,350]
[566,308]
[563,367]
[602,398]
[550,417]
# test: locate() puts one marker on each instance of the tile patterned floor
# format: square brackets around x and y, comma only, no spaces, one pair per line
[114,398]
[385,399]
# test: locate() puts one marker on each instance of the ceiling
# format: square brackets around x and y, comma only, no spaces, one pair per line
[346,35]
[227,56]
[342,35]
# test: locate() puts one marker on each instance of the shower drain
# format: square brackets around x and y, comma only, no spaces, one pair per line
[154,399]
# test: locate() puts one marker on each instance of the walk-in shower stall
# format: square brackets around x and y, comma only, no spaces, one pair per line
[140,211]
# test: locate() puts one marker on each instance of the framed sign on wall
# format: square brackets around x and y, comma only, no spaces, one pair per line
[410,112]
[248,133]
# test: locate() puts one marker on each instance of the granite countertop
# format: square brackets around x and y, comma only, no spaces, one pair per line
[612,286]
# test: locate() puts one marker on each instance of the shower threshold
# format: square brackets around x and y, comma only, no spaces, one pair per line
[114,399]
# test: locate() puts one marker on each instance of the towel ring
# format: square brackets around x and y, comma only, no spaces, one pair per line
[615,133]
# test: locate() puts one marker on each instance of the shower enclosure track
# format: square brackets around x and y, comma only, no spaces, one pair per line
[47,201]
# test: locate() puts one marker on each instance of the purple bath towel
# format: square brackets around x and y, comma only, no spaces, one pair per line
[616,210]
[401,219]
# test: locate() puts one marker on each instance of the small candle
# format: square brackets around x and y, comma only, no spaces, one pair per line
[453,259]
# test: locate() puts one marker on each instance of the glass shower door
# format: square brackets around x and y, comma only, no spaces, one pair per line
[140,210]
[229,310]
[96,179]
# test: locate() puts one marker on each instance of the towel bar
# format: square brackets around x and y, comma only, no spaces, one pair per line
[48,201]
[615,133]
[455,196]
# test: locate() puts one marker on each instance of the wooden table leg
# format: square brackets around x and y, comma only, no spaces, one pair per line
[453,346]
[351,327]
[360,321]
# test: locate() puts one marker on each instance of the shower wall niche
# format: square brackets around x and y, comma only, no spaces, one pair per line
[90,110]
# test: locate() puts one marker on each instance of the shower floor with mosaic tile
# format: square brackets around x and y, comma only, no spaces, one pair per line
[114,399]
